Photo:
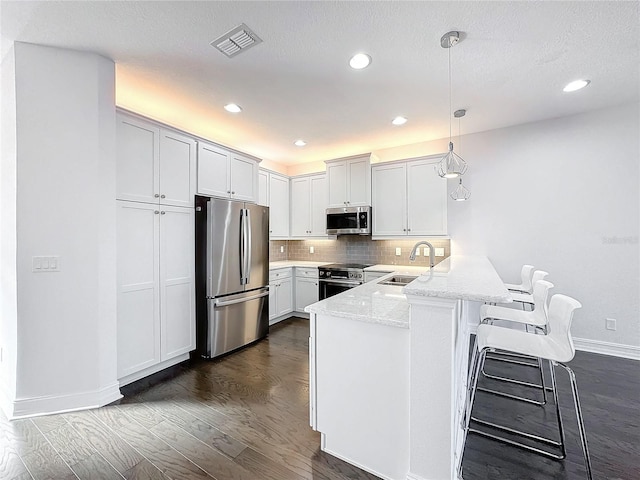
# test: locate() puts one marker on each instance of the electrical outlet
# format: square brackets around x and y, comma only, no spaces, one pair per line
[398,251]
[417,252]
[311,250]
[281,248]
[610,324]
[439,252]
[426,251]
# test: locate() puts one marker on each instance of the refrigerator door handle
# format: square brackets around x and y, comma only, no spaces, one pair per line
[218,303]
[247,252]
[243,247]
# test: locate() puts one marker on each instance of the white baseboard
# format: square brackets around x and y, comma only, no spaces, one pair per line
[621,350]
[153,369]
[49,404]
[631,352]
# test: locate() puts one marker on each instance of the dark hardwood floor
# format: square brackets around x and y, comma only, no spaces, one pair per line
[245,416]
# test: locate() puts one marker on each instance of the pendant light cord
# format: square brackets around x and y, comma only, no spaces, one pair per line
[449,51]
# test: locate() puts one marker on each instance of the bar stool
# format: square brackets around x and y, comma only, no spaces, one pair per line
[557,347]
[526,285]
[527,298]
[537,318]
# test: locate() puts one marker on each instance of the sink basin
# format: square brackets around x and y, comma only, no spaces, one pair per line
[401,280]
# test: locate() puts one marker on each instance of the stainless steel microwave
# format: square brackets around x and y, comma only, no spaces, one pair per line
[349,221]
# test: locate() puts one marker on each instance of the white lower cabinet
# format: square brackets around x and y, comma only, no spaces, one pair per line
[280,293]
[306,287]
[155,287]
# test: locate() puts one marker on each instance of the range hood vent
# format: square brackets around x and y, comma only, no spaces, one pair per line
[236,41]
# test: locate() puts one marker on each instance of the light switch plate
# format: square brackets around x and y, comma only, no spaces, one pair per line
[426,251]
[439,252]
[398,251]
[281,248]
[45,264]
[311,250]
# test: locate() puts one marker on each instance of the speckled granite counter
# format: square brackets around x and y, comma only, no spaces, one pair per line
[295,263]
[399,269]
[370,302]
[461,277]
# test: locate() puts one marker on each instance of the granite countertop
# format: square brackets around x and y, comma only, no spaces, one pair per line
[461,277]
[295,263]
[458,277]
[399,269]
[370,302]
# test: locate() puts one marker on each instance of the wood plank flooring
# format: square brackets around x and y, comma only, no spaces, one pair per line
[245,417]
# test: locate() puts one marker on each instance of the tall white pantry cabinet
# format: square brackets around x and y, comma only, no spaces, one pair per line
[156,170]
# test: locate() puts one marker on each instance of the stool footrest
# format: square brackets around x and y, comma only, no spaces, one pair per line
[513,397]
[518,444]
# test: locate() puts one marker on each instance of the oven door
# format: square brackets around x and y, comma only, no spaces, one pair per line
[329,288]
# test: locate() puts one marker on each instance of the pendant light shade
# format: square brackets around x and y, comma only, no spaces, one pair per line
[452,165]
[460,194]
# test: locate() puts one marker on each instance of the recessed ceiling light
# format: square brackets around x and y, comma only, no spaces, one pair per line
[360,61]
[299,143]
[233,108]
[576,85]
[399,121]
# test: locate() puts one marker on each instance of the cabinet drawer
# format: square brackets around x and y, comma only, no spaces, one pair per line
[307,272]
[280,273]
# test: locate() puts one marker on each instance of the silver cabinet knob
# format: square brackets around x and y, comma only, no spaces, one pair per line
[408,229]
[228,191]
[404,229]
[233,193]
[156,195]
[162,213]
[162,196]
[156,212]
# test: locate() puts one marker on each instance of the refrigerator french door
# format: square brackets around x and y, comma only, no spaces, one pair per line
[232,270]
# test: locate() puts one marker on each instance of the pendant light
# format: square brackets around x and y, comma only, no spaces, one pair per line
[461,193]
[451,165]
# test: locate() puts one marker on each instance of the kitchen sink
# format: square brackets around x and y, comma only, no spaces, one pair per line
[401,280]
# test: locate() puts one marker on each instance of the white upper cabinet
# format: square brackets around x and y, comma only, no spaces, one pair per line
[226,174]
[263,187]
[278,206]
[154,165]
[389,208]
[408,198]
[349,182]
[308,206]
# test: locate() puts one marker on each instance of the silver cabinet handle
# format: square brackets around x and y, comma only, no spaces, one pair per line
[156,195]
[163,212]
[162,196]
[156,212]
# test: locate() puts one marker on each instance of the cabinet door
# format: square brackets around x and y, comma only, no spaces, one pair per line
[177,298]
[306,292]
[300,207]
[273,298]
[177,169]
[263,188]
[284,296]
[278,206]
[137,160]
[318,195]
[359,181]
[244,178]
[427,200]
[337,184]
[138,295]
[389,205]
[213,171]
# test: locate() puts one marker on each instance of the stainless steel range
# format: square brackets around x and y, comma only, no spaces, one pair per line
[338,277]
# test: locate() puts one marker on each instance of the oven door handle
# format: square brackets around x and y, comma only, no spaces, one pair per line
[341,282]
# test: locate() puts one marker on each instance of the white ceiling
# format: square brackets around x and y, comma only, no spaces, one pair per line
[509,69]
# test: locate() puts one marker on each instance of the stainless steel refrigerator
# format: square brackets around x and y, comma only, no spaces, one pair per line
[232,274]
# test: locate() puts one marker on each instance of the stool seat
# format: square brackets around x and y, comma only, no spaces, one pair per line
[536,317]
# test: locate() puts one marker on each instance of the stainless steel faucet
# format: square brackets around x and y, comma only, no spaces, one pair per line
[412,255]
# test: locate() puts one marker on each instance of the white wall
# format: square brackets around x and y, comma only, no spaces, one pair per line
[66,338]
[8,293]
[563,196]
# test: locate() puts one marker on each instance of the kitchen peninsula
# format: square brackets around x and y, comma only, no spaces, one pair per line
[388,369]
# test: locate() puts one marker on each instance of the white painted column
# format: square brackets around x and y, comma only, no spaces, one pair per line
[434,324]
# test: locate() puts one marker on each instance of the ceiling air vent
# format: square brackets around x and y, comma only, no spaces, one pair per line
[236,41]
